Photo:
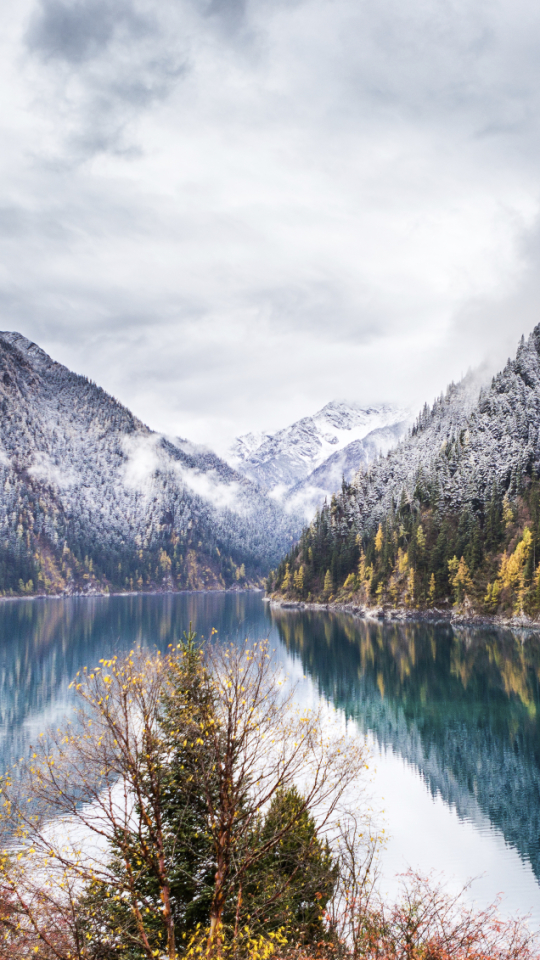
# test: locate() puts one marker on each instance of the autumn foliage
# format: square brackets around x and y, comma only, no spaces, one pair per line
[190,808]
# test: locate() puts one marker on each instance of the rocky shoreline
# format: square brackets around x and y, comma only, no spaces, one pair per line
[93,593]
[406,614]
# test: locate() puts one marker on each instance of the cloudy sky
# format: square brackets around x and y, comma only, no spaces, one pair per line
[228,212]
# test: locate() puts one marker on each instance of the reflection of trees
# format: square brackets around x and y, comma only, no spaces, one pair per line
[461,704]
[43,643]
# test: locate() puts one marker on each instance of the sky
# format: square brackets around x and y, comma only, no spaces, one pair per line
[229,212]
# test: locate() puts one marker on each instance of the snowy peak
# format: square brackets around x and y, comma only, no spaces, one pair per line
[343,464]
[244,447]
[280,461]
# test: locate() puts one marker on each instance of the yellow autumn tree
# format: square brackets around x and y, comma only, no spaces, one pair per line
[350,582]
[432,590]
[512,570]
[328,584]
[460,578]
[493,593]
[365,576]
[286,584]
[508,513]
[409,596]
[299,580]
[362,567]
[379,539]
[402,563]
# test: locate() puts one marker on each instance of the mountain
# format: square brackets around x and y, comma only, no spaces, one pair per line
[92,499]
[304,461]
[451,515]
[305,496]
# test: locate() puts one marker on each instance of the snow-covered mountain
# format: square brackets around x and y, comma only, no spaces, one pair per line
[307,495]
[90,496]
[477,435]
[306,460]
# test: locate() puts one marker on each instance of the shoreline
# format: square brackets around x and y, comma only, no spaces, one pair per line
[433,616]
[102,595]
[407,615]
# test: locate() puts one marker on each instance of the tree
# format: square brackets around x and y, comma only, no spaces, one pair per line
[411,589]
[180,762]
[460,579]
[432,589]
[328,583]
[187,712]
[286,583]
[507,512]
[261,746]
[295,880]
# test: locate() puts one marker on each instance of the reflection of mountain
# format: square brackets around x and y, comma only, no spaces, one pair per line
[44,643]
[462,706]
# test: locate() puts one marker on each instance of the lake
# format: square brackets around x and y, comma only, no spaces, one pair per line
[452,715]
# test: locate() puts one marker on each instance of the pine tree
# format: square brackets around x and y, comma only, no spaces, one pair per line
[296,880]
[188,710]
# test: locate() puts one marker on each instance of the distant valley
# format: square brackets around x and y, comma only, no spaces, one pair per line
[303,464]
[92,500]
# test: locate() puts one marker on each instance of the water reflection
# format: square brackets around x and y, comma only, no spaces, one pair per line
[460,704]
[44,643]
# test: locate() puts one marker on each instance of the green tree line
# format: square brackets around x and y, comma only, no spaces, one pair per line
[483,558]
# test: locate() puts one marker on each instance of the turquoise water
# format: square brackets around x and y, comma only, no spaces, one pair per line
[452,715]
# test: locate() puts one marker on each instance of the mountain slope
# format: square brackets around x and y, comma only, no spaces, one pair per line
[344,464]
[452,515]
[288,457]
[92,498]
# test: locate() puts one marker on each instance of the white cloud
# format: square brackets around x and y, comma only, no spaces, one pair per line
[230,213]
[211,487]
[43,468]
[142,461]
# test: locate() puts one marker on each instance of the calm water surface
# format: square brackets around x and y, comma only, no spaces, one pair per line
[452,715]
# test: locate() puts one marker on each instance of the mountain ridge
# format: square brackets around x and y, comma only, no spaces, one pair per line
[299,464]
[92,499]
[450,516]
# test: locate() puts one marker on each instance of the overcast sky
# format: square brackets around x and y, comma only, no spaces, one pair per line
[228,212]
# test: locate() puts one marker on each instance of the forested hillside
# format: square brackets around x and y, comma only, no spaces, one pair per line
[451,517]
[91,499]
